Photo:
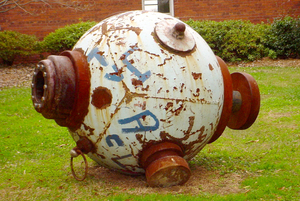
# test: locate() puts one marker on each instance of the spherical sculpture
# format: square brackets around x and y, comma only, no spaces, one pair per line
[142,92]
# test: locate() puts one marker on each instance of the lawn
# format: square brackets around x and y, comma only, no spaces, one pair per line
[260,163]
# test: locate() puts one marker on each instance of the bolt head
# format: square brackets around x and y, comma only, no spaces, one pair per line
[37,106]
[73,153]
[180,27]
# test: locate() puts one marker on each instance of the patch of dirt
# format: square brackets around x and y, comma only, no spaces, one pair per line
[201,180]
[270,62]
[16,75]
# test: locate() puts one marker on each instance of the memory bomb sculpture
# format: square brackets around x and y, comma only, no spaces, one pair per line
[142,92]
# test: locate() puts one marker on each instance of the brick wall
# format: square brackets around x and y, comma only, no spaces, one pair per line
[44,19]
[41,19]
[253,10]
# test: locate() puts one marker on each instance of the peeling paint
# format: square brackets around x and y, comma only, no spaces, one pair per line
[101,98]
[152,92]
[197,75]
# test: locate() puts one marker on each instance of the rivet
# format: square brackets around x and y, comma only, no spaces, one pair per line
[32,85]
[180,27]
[45,74]
[38,66]
[73,153]
[37,105]
[43,98]
[34,73]
[45,86]
[178,30]
[32,97]
[43,66]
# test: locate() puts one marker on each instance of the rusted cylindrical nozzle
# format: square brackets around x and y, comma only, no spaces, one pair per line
[53,87]
[164,165]
[60,88]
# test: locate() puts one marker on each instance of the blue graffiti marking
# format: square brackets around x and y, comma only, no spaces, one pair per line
[116,75]
[141,127]
[141,77]
[116,138]
[100,58]
[116,160]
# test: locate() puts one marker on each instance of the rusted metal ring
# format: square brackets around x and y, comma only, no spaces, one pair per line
[147,156]
[82,90]
[43,90]
[227,103]
[86,167]
[168,171]
[246,85]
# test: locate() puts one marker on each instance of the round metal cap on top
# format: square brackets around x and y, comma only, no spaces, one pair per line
[175,35]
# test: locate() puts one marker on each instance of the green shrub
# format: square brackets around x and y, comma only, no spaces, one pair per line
[65,38]
[14,44]
[283,36]
[233,40]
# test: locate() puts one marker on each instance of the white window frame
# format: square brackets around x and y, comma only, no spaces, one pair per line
[155,3]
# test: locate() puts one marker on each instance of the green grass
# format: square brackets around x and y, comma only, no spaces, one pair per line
[34,152]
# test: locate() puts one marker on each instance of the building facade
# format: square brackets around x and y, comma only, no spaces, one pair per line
[40,18]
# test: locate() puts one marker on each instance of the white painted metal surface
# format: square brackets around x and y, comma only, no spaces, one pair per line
[142,92]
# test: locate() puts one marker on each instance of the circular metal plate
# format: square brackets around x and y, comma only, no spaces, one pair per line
[168,171]
[227,103]
[83,76]
[165,33]
[248,88]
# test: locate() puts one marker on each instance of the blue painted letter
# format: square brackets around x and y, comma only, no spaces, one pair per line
[138,118]
[116,138]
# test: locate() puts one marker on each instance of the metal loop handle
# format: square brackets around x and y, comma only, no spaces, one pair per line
[86,167]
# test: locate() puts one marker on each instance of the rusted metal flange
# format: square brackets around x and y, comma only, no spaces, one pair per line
[53,87]
[174,35]
[60,88]
[82,90]
[164,165]
[246,101]
[227,103]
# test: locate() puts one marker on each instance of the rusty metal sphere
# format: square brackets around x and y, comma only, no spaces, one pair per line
[148,87]
[142,92]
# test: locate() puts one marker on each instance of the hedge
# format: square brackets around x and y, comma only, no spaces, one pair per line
[14,44]
[232,40]
[283,36]
[236,40]
[65,38]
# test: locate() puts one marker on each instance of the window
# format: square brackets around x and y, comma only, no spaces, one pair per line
[163,6]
